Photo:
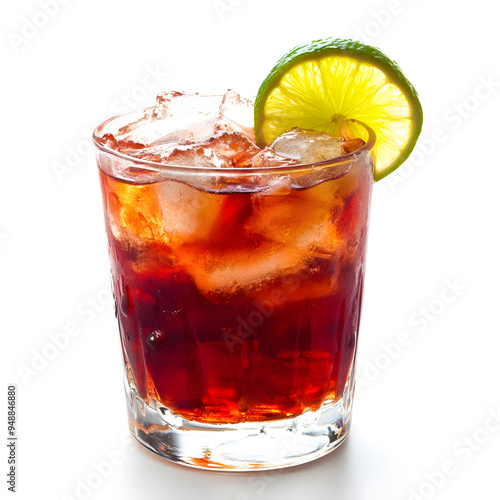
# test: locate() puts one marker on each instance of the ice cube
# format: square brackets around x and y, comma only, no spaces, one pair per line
[231,270]
[269,158]
[184,117]
[181,122]
[123,145]
[279,185]
[188,214]
[186,105]
[177,118]
[313,221]
[194,155]
[347,199]
[352,145]
[315,279]
[132,210]
[234,148]
[224,150]
[166,100]
[289,218]
[236,115]
[307,146]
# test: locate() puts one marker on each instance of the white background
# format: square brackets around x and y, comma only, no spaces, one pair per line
[433,235]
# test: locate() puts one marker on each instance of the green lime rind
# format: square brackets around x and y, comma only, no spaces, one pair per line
[359,52]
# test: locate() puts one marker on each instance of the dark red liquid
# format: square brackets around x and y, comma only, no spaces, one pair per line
[254,351]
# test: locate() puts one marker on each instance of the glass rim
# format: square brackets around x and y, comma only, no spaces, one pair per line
[151,166]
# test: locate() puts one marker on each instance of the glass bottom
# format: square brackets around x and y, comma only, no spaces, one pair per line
[239,447]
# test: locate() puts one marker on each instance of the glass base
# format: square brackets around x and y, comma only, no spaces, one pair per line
[238,447]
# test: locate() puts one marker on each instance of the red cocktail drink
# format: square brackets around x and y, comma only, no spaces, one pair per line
[238,277]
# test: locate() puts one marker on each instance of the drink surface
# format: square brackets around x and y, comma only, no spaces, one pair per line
[236,304]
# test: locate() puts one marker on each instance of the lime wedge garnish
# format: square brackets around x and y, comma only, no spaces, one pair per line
[323,84]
